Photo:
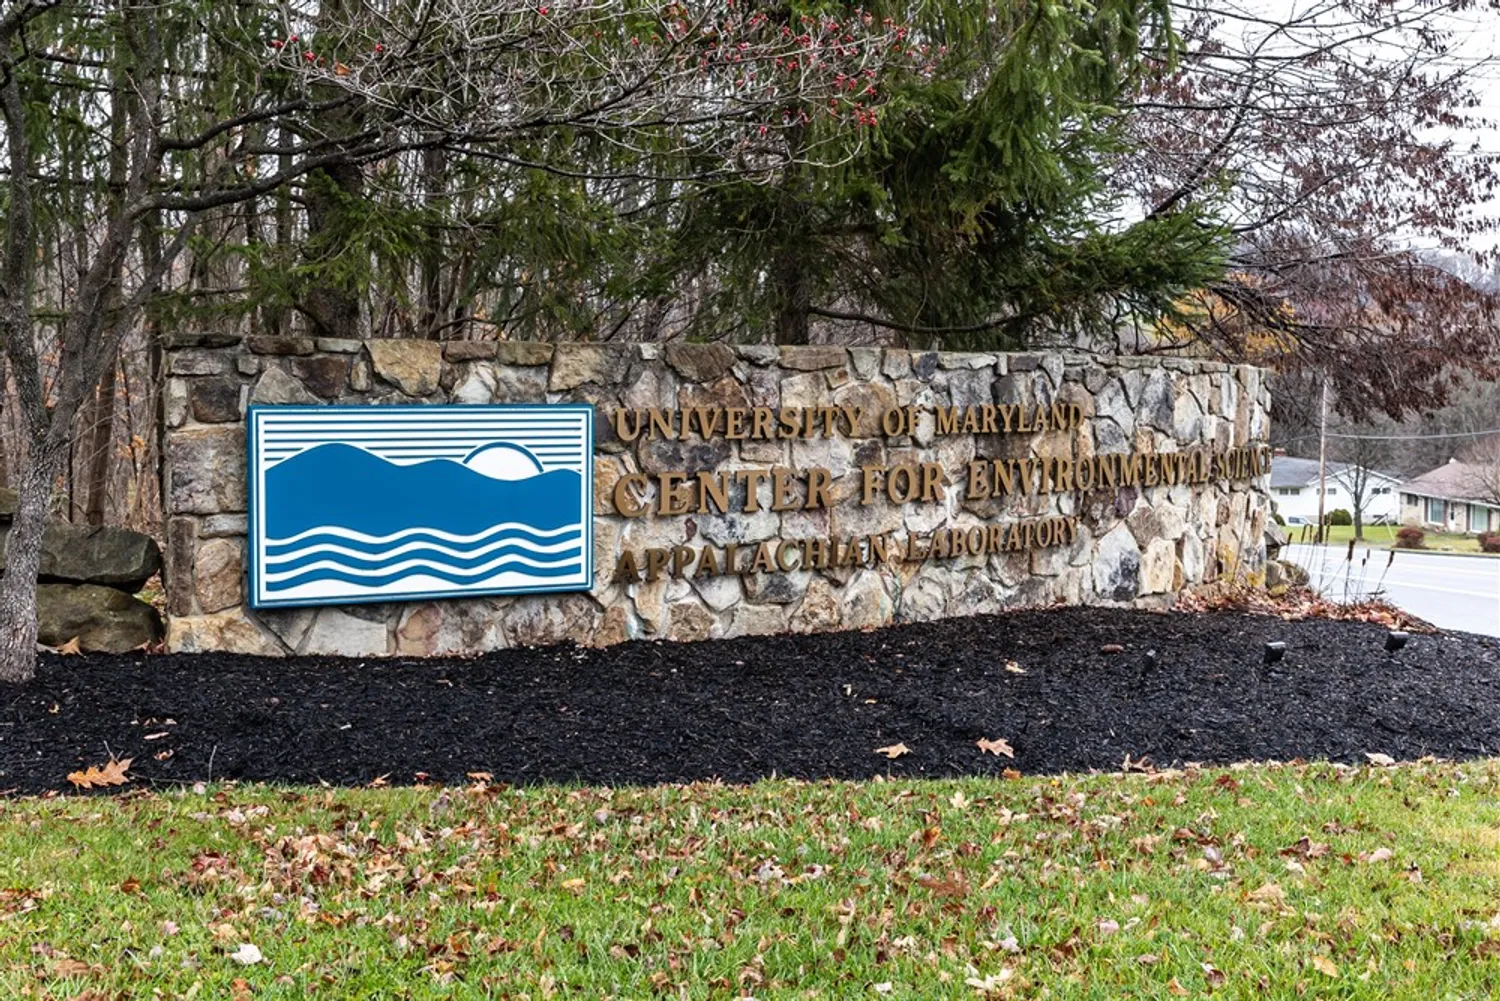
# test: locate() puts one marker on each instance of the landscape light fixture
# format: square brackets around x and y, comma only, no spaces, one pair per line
[1395,640]
[1275,651]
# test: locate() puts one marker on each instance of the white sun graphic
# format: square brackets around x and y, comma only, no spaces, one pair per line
[502,460]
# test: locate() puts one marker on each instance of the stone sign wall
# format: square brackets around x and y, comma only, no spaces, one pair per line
[757,490]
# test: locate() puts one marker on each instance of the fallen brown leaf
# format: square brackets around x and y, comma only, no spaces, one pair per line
[1111,648]
[997,747]
[1325,966]
[893,751]
[111,774]
[70,647]
[1014,668]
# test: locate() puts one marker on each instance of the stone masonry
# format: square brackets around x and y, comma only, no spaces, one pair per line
[1136,545]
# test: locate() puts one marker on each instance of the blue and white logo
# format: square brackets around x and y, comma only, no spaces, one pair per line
[354,504]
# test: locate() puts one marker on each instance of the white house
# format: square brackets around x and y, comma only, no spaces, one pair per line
[1456,497]
[1294,490]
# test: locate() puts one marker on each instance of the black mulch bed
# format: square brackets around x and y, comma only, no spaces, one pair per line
[739,710]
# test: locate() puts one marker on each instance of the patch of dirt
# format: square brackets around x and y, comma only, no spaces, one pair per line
[802,706]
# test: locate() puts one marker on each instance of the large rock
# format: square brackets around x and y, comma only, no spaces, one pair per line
[224,632]
[414,367]
[88,554]
[102,619]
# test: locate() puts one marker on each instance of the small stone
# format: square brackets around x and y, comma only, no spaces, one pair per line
[271,344]
[176,402]
[215,400]
[478,386]
[247,364]
[414,367]
[359,375]
[338,345]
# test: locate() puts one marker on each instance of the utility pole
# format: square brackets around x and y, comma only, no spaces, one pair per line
[1322,457]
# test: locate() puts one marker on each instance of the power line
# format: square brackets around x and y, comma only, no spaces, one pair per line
[1401,437]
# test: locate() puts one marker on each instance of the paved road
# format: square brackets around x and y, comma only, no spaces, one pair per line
[1451,592]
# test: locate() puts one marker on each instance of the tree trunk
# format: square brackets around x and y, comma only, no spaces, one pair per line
[793,297]
[23,557]
[101,426]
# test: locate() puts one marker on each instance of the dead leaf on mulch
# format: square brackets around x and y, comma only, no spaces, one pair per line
[1014,668]
[70,647]
[893,751]
[1111,648]
[111,774]
[1301,603]
[997,746]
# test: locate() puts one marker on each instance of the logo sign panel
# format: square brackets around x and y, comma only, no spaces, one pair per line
[388,503]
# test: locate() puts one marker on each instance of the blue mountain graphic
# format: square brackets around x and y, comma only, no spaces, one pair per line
[341,486]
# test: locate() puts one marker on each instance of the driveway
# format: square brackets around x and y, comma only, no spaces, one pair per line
[1451,592]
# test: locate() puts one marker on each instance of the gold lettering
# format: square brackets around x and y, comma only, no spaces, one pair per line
[635,429]
[627,489]
[668,499]
[752,479]
[662,423]
[781,490]
[627,569]
[819,480]
[656,561]
[715,487]
[784,553]
[947,420]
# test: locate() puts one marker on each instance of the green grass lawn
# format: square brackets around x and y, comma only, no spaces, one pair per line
[1385,536]
[1266,882]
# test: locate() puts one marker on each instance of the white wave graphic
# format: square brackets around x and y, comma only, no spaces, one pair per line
[346,533]
[336,550]
[407,566]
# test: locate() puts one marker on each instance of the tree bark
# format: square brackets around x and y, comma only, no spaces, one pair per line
[101,426]
[793,297]
[23,555]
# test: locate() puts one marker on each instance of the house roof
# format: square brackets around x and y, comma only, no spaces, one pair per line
[1459,481]
[1288,471]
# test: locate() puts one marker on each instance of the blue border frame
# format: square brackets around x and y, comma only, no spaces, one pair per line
[254,538]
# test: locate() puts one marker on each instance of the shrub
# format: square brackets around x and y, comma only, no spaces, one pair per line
[1410,537]
[1489,542]
[1338,516]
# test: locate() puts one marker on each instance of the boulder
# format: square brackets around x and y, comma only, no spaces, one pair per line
[102,619]
[90,554]
[1275,538]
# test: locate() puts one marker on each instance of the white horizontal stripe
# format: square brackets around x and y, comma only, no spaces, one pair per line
[345,533]
[329,547]
[397,568]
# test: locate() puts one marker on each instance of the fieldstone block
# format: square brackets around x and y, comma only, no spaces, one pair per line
[575,364]
[338,345]
[414,367]
[813,357]
[219,575]
[218,526]
[271,344]
[206,470]
[276,386]
[101,619]
[1117,566]
[224,632]
[323,376]
[699,362]
[176,402]
[524,353]
[197,362]
[457,351]
[202,339]
[215,400]
[336,633]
